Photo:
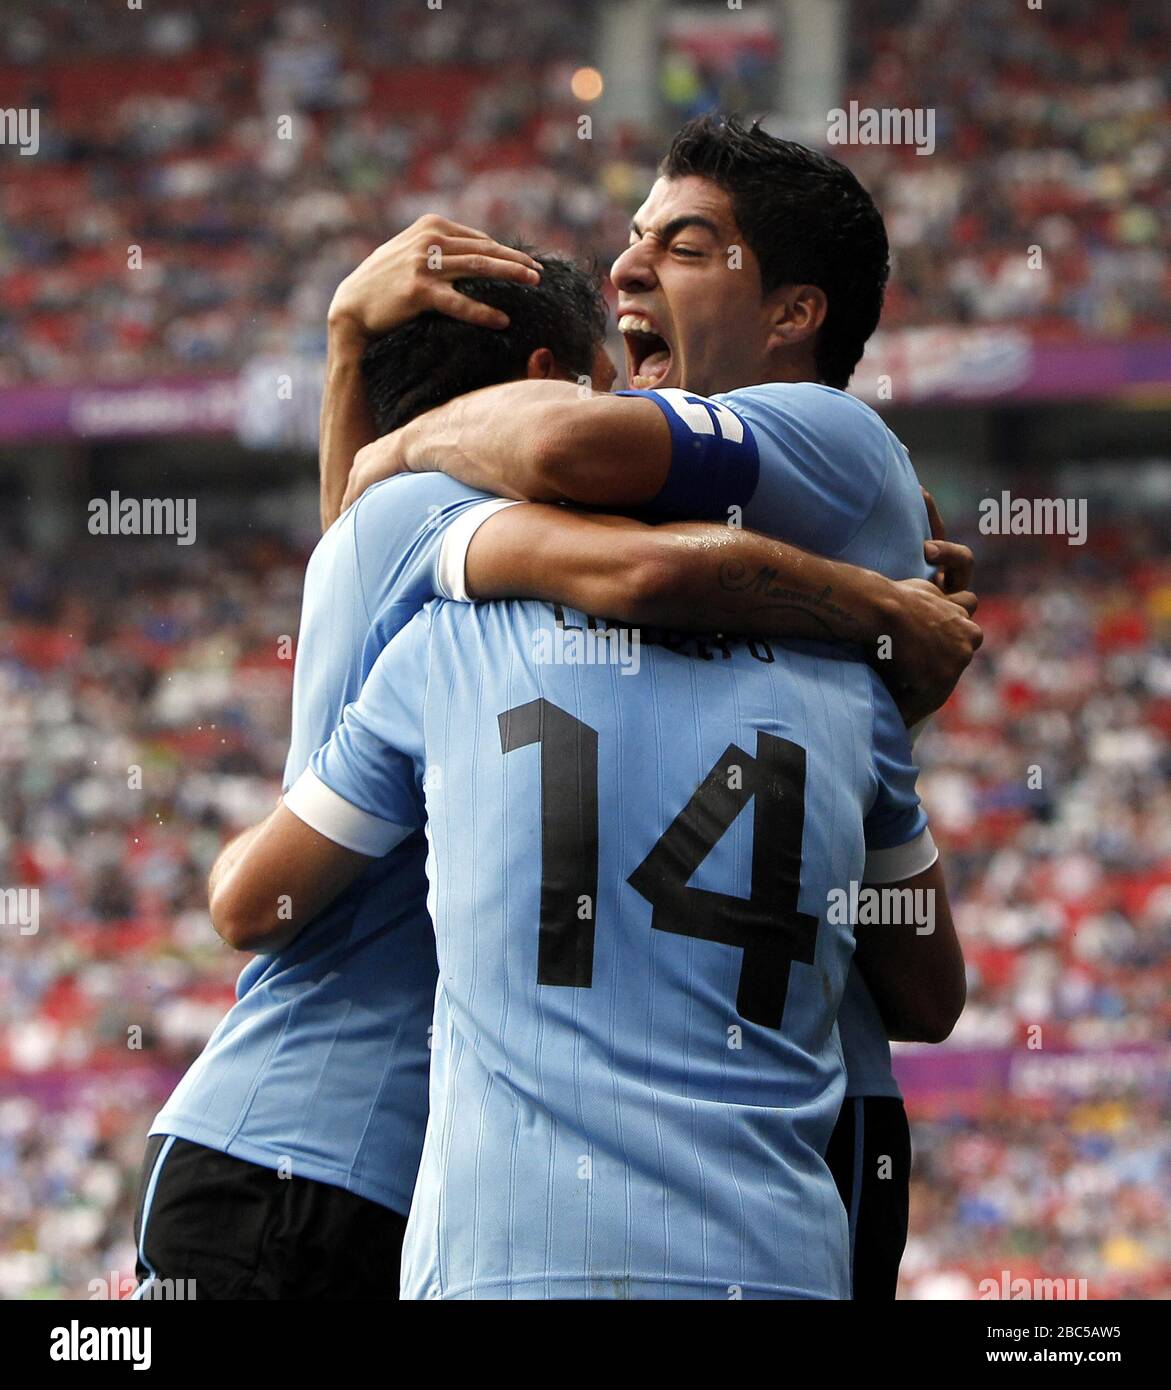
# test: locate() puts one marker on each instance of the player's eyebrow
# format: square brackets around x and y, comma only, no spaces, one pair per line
[679,224]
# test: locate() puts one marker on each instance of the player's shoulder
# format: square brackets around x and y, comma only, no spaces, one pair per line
[410,491]
[395,516]
[406,495]
[808,402]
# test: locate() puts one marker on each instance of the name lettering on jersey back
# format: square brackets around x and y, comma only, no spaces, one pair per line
[697,646]
[597,644]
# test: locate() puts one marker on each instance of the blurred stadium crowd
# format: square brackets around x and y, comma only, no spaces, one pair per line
[146,715]
[174,668]
[1053,128]
[1065,885]
[1057,1191]
[1063,903]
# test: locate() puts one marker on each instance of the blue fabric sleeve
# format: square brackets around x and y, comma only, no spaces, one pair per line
[896,815]
[374,758]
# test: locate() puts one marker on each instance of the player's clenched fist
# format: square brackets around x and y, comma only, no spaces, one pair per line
[932,643]
[413,272]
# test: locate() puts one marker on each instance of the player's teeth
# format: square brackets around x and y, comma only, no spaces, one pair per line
[631,323]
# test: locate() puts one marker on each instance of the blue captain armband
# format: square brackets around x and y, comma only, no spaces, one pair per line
[714,460]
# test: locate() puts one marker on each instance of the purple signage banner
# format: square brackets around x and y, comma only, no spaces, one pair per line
[131,1086]
[910,367]
[921,365]
[163,407]
[1024,1075]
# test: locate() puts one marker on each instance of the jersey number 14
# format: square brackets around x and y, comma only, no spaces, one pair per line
[766,926]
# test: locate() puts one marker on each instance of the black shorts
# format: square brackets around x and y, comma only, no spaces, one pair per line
[869,1155]
[221,1228]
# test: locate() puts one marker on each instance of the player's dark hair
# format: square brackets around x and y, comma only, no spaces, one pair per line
[433,358]
[807,220]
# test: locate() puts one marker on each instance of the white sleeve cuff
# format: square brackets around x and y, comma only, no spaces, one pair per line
[331,815]
[453,551]
[902,861]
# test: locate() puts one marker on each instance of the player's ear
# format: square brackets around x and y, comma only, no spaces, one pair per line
[796,312]
[541,365]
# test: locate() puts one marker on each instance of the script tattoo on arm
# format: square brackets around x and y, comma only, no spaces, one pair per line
[772,595]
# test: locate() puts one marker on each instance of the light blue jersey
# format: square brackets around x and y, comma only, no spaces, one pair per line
[636,1067]
[321,1064]
[831,478]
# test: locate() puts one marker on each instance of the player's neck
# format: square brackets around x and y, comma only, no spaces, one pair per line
[786,367]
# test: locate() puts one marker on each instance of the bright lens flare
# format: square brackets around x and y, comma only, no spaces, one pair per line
[586,84]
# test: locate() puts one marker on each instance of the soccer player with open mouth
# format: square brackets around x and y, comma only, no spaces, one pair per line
[754,277]
[462,542]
